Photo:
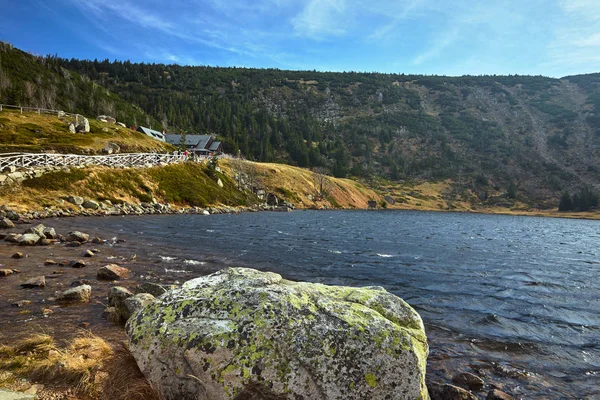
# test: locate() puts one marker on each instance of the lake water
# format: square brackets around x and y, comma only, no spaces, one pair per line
[515,298]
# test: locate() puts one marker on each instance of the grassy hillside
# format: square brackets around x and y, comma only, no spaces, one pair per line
[186,184]
[32,132]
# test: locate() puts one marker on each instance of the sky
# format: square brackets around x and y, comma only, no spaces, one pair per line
[443,37]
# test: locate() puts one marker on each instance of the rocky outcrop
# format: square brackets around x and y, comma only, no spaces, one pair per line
[239,332]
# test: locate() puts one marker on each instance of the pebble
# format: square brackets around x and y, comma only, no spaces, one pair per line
[76,264]
[38,281]
[468,381]
[18,254]
[496,394]
[88,253]
[50,262]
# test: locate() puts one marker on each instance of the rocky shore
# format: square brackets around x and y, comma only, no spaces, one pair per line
[66,281]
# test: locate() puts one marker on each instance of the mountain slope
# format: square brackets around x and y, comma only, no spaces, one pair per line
[501,138]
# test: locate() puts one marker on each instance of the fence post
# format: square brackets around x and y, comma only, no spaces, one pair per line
[21,110]
[0,107]
[39,111]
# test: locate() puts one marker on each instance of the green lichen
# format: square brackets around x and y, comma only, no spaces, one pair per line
[371,379]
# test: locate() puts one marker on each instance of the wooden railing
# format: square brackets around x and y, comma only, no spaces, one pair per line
[32,160]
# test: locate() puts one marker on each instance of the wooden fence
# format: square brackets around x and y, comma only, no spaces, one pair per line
[31,160]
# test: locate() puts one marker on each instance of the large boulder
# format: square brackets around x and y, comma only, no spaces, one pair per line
[91,204]
[111,148]
[77,200]
[38,230]
[83,127]
[241,332]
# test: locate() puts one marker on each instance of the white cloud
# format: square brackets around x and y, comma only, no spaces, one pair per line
[321,18]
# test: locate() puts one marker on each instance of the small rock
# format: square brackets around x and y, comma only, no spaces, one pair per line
[6,223]
[468,381]
[72,244]
[97,240]
[28,239]
[77,236]
[496,394]
[47,242]
[112,272]
[21,303]
[50,233]
[6,272]
[79,294]
[153,288]
[13,237]
[38,230]
[95,251]
[76,264]
[75,200]
[18,254]
[91,204]
[136,303]
[88,253]
[219,182]
[50,262]
[448,392]
[38,281]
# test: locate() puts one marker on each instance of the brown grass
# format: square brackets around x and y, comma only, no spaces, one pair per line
[87,367]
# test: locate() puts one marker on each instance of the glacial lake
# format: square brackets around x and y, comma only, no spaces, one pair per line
[515,298]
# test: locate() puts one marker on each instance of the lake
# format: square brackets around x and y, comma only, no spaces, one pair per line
[515,298]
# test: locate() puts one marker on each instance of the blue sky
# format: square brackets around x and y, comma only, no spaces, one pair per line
[446,37]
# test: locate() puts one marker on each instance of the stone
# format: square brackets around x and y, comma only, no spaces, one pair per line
[73,244]
[112,272]
[97,240]
[50,262]
[121,124]
[50,233]
[77,200]
[12,215]
[83,127]
[153,288]
[72,128]
[6,223]
[38,281]
[77,236]
[18,254]
[468,381]
[135,303]
[79,294]
[496,394]
[111,148]
[47,242]
[10,395]
[116,298]
[6,272]
[9,169]
[13,237]
[448,392]
[91,204]
[37,230]
[219,182]
[28,239]
[76,264]
[240,330]
[21,303]
[88,253]
[106,118]
[389,200]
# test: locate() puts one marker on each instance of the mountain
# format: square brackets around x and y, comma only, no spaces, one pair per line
[496,138]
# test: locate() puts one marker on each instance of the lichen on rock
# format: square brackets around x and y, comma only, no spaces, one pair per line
[240,332]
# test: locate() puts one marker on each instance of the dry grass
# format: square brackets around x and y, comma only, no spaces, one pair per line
[296,185]
[88,367]
[39,132]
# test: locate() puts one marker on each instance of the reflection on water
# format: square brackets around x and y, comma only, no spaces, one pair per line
[514,297]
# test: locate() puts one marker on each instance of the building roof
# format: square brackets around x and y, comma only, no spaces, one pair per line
[214,146]
[198,141]
[152,133]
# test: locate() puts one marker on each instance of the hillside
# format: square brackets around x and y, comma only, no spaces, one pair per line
[33,133]
[185,184]
[506,140]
